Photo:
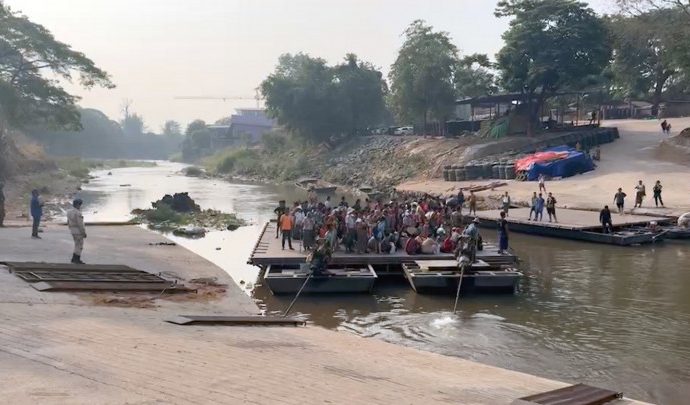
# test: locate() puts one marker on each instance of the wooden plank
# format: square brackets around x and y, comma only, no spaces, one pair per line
[578,394]
[569,218]
[88,276]
[31,266]
[168,286]
[235,320]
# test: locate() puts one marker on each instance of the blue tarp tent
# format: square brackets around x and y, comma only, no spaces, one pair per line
[574,163]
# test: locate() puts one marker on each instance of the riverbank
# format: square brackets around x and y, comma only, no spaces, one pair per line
[63,348]
[631,158]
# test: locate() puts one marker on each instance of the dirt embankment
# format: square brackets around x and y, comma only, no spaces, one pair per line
[382,162]
[676,149]
[24,166]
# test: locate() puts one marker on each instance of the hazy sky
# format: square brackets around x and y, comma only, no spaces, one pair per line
[158,49]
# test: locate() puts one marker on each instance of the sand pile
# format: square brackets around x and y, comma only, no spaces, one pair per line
[676,148]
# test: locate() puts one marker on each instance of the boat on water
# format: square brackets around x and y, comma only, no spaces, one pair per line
[628,230]
[288,279]
[316,185]
[433,276]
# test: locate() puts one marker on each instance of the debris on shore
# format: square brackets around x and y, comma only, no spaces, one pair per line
[180,214]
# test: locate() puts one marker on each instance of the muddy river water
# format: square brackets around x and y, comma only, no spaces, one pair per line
[616,317]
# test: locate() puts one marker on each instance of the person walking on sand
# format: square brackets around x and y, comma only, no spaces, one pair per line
[36,206]
[472,203]
[533,207]
[605,220]
[657,194]
[551,207]
[542,183]
[502,234]
[285,223]
[505,203]
[75,223]
[619,199]
[639,194]
[664,124]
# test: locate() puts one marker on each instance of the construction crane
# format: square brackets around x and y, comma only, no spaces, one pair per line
[257,97]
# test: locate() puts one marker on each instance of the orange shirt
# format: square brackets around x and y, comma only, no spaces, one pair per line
[285,222]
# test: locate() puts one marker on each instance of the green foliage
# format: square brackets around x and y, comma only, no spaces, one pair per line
[551,45]
[171,128]
[102,138]
[316,101]
[651,52]
[194,126]
[31,60]
[473,76]
[422,75]
[193,171]
[133,125]
[236,161]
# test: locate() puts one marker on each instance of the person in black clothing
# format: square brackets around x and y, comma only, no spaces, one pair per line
[502,234]
[657,194]
[605,219]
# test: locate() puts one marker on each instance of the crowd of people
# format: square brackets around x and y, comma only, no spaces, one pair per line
[425,225]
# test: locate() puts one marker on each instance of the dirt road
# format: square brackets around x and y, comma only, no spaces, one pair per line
[631,158]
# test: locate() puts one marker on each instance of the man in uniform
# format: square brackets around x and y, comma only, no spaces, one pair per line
[75,222]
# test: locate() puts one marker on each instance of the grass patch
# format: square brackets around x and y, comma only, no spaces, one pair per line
[164,217]
[193,171]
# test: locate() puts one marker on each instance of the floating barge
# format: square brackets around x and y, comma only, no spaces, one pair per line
[431,276]
[338,279]
[284,271]
[580,225]
[316,185]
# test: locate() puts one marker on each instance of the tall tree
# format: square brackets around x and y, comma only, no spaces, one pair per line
[133,124]
[300,94]
[194,125]
[171,128]
[362,90]
[650,53]
[643,6]
[550,46]
[317,101]
[473,76]
[31,60]
[422,75]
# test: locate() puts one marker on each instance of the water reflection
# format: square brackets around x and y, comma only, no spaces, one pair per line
[610,316]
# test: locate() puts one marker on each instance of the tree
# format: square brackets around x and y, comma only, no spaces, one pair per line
[473,77]
[301,95]
[31,60]
[550,46]
[361,93]
[171,128]
[422,75]
[133,124]
[649,53]
[643,6]
[194,125]
[316,101]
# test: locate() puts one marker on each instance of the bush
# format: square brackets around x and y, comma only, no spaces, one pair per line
[193,171]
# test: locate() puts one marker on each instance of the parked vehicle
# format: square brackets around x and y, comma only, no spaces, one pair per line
[404,131]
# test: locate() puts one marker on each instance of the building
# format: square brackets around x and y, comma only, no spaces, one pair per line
[251,123]
[245,127]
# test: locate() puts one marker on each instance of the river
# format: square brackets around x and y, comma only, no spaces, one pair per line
[615,317]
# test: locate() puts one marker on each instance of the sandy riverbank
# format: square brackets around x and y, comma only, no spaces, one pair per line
[631,158]
[58,348]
